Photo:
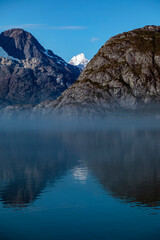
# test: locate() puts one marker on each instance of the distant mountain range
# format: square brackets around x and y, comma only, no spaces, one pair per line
[29,73]
[124,74]
[79,61]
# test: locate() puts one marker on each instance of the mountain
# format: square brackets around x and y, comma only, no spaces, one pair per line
[29,73]
[79,61]
[124,74]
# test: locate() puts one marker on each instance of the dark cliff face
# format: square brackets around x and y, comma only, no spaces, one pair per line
[124,74]
[31,74]
[20,44]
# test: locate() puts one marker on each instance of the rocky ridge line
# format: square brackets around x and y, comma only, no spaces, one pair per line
[124,74]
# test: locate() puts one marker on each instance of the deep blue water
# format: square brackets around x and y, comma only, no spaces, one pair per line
[76,181]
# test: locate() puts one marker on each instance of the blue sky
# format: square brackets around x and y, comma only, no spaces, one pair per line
[71,27]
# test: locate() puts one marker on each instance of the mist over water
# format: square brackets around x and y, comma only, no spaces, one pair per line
[80,179]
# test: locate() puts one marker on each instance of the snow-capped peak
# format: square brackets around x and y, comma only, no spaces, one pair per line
[79,61]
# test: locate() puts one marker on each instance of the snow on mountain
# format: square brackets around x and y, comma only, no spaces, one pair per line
[3,53]
[79,61]
[41,74]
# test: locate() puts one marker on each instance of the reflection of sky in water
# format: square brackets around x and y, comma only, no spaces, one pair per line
[80,174]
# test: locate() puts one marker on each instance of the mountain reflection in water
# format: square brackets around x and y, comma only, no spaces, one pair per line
[125,162]
[29,161]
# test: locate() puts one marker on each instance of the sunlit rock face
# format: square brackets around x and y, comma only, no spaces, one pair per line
[29,73]
[124,74]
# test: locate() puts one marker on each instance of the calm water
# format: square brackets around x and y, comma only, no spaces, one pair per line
[71,181]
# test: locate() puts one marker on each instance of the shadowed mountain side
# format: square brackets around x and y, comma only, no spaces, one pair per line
[29,73]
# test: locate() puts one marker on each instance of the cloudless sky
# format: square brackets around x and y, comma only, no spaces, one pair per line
[69,27]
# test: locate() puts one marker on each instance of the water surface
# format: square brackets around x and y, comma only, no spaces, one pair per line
[77,181]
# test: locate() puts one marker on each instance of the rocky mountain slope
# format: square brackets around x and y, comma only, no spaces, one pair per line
[80,61]
[29,73]
[124,74]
